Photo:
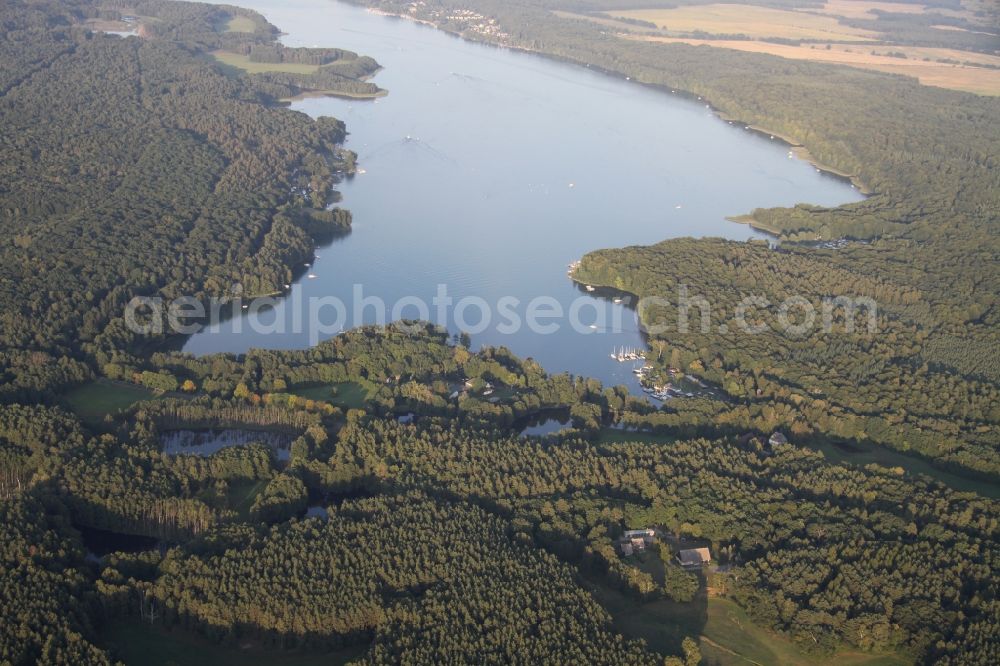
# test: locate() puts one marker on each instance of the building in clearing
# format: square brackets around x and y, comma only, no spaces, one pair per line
[777,438]
[648,534]
[694,557]
[635,541]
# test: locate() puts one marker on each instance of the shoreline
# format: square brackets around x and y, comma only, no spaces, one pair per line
[752,222]
[800,150]
[310,94]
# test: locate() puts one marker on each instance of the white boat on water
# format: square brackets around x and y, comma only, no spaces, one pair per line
[589,288]
[312,276]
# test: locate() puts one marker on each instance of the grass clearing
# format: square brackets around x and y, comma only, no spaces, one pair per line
[728,636]
[241,495]
[749,20]
[347,395]
[969,78]
[243,62]
[649,561]
[240,24]
[137,643]
[93,401]
[732,638]
[858,454]
[662,623]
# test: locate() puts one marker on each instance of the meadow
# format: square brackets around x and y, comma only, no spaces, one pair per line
[240,24]
[93,401]
[243,62]
[749,20]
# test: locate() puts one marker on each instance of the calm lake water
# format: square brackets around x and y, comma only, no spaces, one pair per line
[488,171]
[209,442]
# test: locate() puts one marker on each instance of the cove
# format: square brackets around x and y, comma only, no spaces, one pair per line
[489,171]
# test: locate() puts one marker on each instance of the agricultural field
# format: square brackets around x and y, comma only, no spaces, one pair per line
[829,40]
[863,9]
[752,21]
[920,63]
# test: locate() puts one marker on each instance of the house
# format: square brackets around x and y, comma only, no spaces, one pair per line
[776,439]
[648,535]
[631,546]
[694,557]
[635,541]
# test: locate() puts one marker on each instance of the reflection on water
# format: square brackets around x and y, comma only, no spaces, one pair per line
[547,423]
[207,442]
[317,512]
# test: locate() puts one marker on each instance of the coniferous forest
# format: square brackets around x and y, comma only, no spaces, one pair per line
[382,503]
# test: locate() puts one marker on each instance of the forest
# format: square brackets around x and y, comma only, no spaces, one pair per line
[429,522]
[409,519]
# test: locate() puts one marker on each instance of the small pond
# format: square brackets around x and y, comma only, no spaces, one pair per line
[208,442]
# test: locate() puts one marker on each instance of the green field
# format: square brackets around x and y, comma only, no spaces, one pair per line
[241,495]
[243,62]
[348,395]
[138,644]
[651,563]
[240,24]
[728,636]
[93,401]
[858,454]
[662,623]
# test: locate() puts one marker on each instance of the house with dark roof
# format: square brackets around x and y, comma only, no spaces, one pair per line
[694,557]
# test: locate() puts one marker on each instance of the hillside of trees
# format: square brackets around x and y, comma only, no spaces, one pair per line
[137,167]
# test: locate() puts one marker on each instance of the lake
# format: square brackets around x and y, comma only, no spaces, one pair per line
[210,442]
[486,172]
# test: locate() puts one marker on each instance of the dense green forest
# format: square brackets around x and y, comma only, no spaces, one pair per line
[451,522]
[914,383]
[408,518]
[195,179]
